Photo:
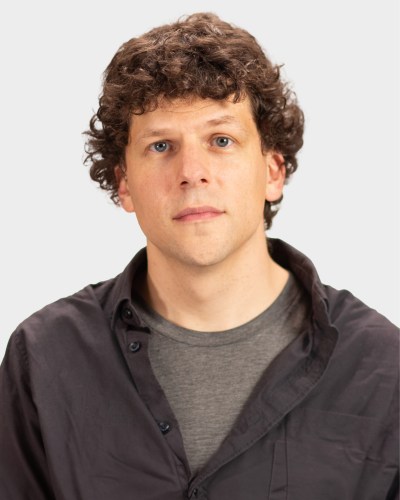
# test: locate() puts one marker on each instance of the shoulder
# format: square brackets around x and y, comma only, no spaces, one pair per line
[65,319]
[360,325]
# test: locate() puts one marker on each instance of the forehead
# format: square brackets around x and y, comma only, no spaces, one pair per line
[193,112]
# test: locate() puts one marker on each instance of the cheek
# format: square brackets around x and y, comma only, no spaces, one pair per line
[148,199]
[150,180]
[250,180]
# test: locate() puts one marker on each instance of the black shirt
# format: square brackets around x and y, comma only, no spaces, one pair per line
[82,415]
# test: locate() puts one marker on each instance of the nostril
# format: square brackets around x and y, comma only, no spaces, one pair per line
[187,182]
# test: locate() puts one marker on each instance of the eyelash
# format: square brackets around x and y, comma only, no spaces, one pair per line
[154,144]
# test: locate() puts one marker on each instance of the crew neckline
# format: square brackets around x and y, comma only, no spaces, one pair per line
[276,311]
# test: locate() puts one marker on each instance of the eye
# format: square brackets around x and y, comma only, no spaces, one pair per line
[222,142]
[159,147]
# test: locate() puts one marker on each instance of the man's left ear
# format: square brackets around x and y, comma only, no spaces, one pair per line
[276,174]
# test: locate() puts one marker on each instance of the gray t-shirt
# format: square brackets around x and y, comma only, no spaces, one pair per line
[208,376]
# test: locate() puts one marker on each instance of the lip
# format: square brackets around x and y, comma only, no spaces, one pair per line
[196,213]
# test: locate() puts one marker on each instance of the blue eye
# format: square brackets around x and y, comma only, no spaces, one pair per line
[159,147]
[222,141]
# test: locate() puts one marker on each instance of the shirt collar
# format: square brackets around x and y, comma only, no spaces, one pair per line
[304,270]
[281,252]
[122,291]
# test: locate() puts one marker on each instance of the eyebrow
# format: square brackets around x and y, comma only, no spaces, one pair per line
[222,120]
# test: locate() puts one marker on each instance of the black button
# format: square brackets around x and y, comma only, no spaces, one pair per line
[127,313]
[135,346]
[193,494]
[164,427]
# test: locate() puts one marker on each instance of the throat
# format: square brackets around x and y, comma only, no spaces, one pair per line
[212,303]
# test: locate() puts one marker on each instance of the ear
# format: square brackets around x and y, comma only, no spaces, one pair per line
[276,173]
[123,189]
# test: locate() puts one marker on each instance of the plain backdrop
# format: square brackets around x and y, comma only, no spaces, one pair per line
[59,232]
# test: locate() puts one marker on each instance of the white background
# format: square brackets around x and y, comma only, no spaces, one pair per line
[59,232]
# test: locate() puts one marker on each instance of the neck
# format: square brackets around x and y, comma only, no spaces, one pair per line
[216,297]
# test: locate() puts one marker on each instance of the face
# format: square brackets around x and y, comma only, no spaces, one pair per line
[197,179]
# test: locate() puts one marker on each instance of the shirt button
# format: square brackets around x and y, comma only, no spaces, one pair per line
[127,313]
[164,427]
[135,346]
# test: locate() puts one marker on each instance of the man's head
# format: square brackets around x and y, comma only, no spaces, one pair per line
[202,57]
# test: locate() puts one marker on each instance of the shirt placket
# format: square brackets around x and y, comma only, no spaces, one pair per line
[134,337]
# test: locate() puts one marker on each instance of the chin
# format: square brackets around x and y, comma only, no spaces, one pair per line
[202,259]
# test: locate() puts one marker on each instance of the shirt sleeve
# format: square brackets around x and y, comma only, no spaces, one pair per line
[23,468]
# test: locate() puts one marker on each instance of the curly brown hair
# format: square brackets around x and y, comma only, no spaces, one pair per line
[202,56]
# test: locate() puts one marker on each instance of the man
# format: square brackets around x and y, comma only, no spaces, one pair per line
[216,366]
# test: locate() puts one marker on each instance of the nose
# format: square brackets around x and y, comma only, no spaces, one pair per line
[193,166]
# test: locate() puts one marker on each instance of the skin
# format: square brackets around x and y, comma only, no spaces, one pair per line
[208,270]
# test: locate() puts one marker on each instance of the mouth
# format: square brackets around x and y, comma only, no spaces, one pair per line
[197,213]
